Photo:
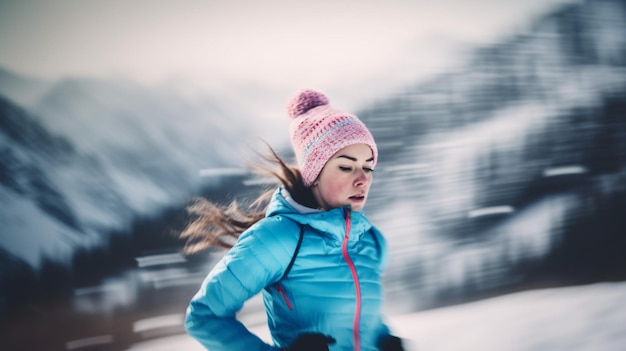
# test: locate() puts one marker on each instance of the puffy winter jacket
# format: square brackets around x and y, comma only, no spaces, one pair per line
[333,287]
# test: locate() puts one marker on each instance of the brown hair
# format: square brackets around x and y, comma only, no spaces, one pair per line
[218,226]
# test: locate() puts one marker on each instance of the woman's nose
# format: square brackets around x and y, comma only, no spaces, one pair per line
[361,178]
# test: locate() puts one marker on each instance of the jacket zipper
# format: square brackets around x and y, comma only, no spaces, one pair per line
[355,278]
[284,295]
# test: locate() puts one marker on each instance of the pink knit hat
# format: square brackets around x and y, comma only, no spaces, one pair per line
[319,131]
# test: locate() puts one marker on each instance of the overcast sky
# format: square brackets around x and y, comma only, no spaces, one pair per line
[270,42]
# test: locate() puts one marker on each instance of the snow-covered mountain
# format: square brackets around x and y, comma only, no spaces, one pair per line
[485,167]
[88,157]
[24,91]
[37,213]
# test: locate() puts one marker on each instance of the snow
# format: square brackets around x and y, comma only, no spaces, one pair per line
[579,318]
[573,318]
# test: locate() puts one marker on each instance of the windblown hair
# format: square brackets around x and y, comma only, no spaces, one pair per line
[219,226]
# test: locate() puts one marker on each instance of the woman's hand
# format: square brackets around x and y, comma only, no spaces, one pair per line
[311,342]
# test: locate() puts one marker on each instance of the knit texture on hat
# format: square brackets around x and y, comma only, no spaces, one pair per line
[319,131]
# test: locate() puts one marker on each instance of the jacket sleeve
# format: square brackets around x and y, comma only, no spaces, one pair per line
[258,259]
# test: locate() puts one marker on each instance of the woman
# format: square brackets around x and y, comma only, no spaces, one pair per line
[311,251]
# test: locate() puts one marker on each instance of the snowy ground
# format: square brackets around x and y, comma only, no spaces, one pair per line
[591,317]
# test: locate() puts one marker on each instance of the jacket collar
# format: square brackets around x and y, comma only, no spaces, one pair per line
[331,222]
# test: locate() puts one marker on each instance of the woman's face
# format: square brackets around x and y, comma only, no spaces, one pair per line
[345,179]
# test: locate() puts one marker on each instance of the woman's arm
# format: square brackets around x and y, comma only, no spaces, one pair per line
[258,259]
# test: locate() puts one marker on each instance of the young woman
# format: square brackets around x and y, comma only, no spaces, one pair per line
[309,250]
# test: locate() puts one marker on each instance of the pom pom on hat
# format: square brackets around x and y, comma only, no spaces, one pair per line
[304,101]
[319,131]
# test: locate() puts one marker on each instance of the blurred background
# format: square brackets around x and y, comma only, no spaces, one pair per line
[501,185]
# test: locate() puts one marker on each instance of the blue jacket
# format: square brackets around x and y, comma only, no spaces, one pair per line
[334,286]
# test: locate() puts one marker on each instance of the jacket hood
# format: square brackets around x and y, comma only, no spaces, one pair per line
[331,222]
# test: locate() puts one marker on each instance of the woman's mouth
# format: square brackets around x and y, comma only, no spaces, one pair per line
[357,197]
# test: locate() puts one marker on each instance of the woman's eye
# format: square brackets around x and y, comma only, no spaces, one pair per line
[345,169]
[368,170]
